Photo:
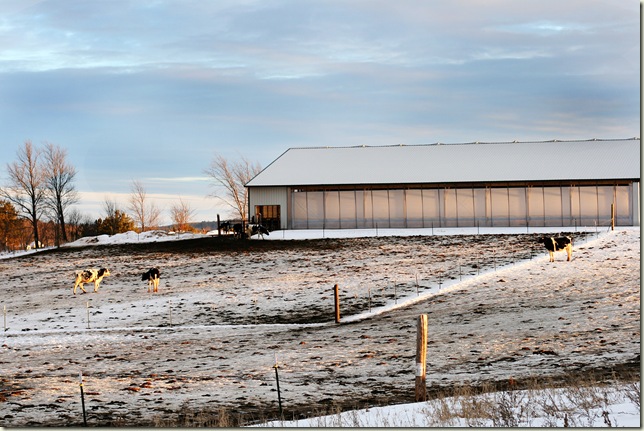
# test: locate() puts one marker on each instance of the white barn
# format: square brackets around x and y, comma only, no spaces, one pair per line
[553,183]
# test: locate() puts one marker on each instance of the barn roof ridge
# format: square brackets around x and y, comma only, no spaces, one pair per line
[321,147]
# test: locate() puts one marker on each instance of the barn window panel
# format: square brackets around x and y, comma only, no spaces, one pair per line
[605,197]
[380,208]
[348,210]
[588,205]
[575,210]
[431,208]
[465,207]
[315,209]
[566,207]
[397,208]
[331,210]
[536,209]
[499,206]
[300,214]
[414,204]
[367,202]
[517,204]
[359,195]
[480,207]
[552,206]
[449,208]
[623,209]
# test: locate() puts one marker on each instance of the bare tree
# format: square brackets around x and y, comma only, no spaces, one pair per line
[61,193]
[181,213]
[232,177]
[26,188]
[146,214]
[115,221]
[76,220]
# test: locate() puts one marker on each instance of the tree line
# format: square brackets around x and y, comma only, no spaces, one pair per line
[37,201]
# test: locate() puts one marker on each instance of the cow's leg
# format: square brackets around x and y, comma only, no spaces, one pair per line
[156,285]
[149,283]
[569,251]
[81,288]
[96,283]
[552,256]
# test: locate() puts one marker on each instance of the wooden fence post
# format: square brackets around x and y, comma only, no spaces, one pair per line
[279,394]
[80,377]
[421,359]
[218,226]
[337,303]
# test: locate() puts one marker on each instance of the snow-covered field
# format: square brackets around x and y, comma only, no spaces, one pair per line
[209,339]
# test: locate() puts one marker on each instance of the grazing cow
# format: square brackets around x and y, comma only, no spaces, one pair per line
[239,231]
[556,244]
[89,275]
[225,226]
[258,229]
[152,276]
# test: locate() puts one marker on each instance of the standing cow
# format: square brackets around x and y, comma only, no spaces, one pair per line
[88,276]
[556,244]
[152,276]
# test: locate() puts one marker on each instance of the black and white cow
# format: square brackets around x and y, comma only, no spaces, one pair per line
[556,244]
[88,276]
[258,229]
[250,230]
[152,276]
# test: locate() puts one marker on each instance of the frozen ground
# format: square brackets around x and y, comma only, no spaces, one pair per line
[227,309]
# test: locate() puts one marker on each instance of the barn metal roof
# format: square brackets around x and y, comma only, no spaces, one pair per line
[453,163]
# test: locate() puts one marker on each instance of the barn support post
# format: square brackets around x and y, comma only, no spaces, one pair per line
[336,295]
[421,359]
[612,216]
[218,226]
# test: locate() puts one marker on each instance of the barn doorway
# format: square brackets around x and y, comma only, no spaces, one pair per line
[268,216]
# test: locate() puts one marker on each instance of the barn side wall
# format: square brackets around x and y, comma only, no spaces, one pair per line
[491,206]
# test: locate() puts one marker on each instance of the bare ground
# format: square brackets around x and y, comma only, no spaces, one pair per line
[227,308]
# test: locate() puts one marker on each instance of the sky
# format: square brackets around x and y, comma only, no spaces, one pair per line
[152,90]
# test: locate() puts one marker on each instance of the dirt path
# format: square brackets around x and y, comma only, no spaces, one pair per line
[210,338]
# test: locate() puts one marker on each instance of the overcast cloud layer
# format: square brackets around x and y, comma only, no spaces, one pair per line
[151,90]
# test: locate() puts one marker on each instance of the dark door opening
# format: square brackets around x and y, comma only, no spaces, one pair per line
[268,216]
